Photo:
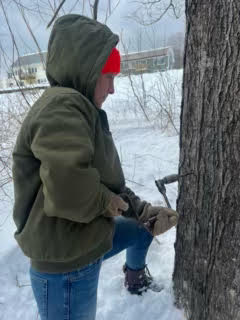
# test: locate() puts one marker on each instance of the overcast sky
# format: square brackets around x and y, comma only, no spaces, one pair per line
[154,36]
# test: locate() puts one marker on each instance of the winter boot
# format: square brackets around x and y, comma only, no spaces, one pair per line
[137,281]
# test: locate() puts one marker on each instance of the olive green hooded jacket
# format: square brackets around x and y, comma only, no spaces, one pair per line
[65,164]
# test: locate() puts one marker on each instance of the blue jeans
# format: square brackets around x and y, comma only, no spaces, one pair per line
[73,295]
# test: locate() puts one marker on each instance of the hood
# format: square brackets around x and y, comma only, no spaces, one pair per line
[78,48]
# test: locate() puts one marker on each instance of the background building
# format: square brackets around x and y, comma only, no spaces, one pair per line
[29,69]
[147,61]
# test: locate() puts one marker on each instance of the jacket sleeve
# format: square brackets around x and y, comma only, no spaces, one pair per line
[136,205]
[63,141]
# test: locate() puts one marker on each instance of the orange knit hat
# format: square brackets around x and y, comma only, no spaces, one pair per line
[113,62]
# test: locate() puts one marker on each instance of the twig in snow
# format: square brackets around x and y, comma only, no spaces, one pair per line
[139,184]
[21,285]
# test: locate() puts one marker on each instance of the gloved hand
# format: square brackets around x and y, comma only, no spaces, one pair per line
[158,219]
[136,205]
[116,206]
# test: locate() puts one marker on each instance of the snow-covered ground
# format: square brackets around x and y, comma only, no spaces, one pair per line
[147,153]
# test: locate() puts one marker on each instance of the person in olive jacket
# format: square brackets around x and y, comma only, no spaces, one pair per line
[72,208]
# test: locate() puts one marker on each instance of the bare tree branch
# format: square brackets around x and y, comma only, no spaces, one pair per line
[14,46]
[83,7]
[35,8]
[152,11]
[90,6]
[136,95]
[141,20]
[74,6]
[137,183]
[21,285]
[95,9]
[166,111]
[4,221]
[56,13]
[33,36]
[51,6]
[110,10]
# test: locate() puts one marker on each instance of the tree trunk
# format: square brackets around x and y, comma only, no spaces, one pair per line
[207,264]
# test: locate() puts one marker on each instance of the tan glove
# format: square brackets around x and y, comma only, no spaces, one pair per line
[116,206]
[158,219]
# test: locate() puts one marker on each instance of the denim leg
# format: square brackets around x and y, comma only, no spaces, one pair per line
[130,235]
[40,291]
[83,292]
[67,296]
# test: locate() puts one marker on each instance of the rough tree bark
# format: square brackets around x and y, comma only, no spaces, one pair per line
[207,265]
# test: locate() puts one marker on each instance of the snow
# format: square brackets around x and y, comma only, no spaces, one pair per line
[147,153]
